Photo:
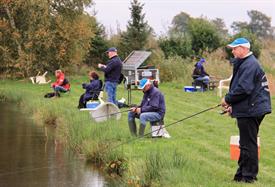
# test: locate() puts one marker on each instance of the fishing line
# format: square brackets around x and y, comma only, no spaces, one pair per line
[109,115]
[173,123]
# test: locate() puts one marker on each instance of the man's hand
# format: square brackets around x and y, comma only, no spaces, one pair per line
[138,110]
[226,107]
[224,104]
[135,110]
[101,66]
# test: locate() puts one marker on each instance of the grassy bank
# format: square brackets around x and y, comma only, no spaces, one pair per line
[196,155]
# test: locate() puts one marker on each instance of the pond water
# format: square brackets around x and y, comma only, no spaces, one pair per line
[29,156]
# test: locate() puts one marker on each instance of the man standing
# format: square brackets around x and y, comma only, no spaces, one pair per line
[152,108]
[248,100]
[112,72]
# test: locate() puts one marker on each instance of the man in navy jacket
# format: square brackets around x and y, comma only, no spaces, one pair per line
[112,72]
[248,100]
[152,108]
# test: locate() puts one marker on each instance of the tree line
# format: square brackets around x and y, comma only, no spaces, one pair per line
[45,35]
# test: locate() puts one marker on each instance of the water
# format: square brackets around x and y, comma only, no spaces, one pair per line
[30,157]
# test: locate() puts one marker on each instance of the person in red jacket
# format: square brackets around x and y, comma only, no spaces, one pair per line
[61,84]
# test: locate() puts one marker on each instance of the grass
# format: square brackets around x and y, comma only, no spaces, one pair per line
[196,155]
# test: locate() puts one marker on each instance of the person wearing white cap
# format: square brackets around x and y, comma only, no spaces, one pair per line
[248,100]
[151,109]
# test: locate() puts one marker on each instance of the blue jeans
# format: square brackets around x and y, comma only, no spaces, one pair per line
[60,89]
[144,117]
[204,79]
[110,88]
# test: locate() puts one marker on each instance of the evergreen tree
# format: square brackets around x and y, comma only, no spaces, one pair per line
[138,30]
[98,46]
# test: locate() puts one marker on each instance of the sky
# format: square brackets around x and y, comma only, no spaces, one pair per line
[115,14]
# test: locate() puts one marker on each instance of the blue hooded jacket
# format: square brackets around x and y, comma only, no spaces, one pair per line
[153,101]
[199,70]
[248,93]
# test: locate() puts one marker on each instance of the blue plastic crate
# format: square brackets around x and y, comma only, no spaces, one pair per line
[189,89]
[92,104]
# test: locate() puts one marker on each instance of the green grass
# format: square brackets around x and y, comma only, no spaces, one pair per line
[196,155]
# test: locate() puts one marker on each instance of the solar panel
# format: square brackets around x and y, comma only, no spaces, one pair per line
[135,59]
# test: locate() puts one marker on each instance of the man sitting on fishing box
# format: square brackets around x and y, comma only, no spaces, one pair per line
[152,108]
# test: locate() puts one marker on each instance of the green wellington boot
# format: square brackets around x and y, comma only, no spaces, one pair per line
[141,130]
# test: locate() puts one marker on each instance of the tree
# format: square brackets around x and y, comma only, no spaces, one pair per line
[138,30]
[38,37]
[204,36]
[259,24]
[98,46]
[180,46]
[238,26]
[221,28]
[179,24]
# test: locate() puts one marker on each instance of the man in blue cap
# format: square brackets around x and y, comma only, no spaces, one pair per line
[112,73]
[248,100]
[152,108]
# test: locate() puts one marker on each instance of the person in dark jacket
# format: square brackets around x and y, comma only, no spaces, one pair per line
[92,90]
[152,108]
[61,84]
[248,100]
[200,76]
[112,73]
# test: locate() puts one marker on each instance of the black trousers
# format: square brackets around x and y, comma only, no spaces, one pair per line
[248,160]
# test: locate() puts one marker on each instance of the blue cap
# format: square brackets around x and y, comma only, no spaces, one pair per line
[111,49]
[202,60]
[143,82]
[239,42]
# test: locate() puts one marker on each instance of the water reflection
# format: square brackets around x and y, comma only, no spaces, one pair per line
[29,156]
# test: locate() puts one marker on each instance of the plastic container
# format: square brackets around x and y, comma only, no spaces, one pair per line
[189,89]
[92,104]
[235,150]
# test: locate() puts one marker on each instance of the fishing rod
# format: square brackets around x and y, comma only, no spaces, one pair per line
[173,123]
[109,115]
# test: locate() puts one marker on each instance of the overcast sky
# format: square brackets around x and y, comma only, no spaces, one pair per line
[159,13]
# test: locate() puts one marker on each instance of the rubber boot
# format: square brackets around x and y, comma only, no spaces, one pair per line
[141,130]
[133,128]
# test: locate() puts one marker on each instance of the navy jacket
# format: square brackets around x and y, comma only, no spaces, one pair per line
[92,89]
[199,71]
[153,101]
[248,93]
[113,69]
